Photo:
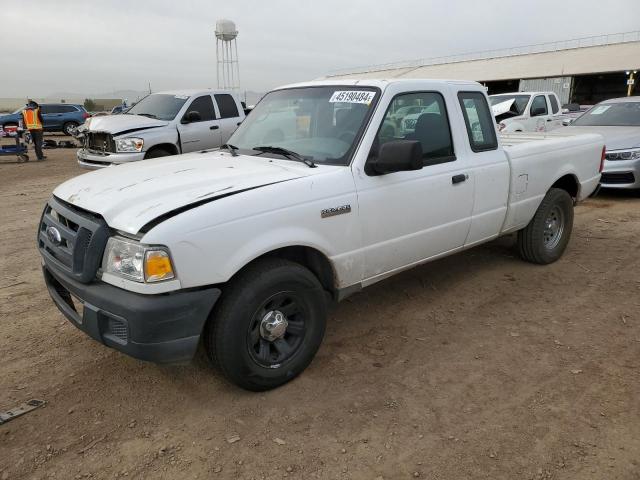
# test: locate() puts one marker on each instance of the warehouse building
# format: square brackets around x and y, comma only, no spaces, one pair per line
[585,70]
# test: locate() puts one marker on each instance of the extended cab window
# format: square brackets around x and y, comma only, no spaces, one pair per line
[204,106]
[539,106]
[423,117]
[554,104]
[479,120]
[227,106]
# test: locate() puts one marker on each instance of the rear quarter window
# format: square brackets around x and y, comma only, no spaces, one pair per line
[479,121]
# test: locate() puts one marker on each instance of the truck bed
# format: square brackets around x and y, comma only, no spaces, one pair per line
[536,157]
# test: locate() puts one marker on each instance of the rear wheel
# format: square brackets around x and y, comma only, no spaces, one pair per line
[547,235]
[69,127]
[268,325]
[157,153]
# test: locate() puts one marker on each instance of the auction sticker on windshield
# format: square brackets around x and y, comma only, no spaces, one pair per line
[352,96]
[601,109]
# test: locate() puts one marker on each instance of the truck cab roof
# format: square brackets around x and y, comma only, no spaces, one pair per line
[381,83]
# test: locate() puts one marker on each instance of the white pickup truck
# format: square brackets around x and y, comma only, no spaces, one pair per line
[245,248]
[161,124]
[527,111]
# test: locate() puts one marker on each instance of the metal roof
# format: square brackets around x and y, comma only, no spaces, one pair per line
[601,54]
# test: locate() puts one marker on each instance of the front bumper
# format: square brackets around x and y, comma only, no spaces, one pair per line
[621,174]
[161,328]
[92,160]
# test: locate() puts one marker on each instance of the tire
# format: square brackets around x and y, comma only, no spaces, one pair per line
[236,334]
[157,153]
[546,237]
[67,127]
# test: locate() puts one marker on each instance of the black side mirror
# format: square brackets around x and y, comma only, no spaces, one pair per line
[396,156]
[192,116]
[536,111]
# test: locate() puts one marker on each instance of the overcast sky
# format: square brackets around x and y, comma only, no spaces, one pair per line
[92,47]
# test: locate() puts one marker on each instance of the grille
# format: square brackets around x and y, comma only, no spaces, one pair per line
[117,329]
[617,178]
[100,142]
[72,240]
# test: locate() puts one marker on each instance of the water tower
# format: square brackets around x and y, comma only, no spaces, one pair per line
[228,70]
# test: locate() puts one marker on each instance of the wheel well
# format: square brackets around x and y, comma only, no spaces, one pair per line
[310,258]
[568,183]
[169,147]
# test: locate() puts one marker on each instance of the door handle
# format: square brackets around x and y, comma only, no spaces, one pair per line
[549,119]
[238,124]
[214,127]
[459,178]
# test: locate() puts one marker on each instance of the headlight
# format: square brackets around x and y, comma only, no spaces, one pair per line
[140,263]
[631,154]
[129,144]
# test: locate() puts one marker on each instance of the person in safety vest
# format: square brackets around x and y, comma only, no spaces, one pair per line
[32,121]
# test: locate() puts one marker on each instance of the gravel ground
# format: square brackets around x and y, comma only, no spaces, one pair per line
[476,366]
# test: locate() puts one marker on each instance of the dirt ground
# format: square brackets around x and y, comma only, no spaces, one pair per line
[477,366]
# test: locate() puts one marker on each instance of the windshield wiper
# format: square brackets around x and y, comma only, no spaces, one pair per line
[287,153]
[150,115]
[232,149]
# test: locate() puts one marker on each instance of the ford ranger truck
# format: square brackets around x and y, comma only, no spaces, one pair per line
[159,125]
[312,199]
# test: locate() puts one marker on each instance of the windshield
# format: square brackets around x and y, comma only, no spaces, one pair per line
[318,123]
[623,114]
[517,107]
[159,105]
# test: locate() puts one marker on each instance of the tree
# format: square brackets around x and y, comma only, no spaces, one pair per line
[89,105]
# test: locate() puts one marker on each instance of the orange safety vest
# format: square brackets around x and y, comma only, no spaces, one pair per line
[31,118]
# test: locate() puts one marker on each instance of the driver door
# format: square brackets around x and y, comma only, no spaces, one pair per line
[201,134]
[410,216]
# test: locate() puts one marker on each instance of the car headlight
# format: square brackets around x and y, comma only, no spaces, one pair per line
[140,263]
[129,144]
[631,154]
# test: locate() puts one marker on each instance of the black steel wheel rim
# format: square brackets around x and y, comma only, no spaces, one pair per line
[271,349]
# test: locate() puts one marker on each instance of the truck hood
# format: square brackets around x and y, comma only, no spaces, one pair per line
[130,196]
[615,138]
[115,124]
[502,107]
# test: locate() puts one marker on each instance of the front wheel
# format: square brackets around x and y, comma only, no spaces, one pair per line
[546,237]
[268,325]
[69,128]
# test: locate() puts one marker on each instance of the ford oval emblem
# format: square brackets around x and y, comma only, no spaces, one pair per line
[53,234]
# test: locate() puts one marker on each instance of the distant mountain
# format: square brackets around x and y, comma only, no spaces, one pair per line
[133,95]
[130,95]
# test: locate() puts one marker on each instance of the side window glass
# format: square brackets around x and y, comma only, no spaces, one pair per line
[227,105]
[539,106]
[479,121]
[204,106]
[45,109]
[422,117]
[554,104]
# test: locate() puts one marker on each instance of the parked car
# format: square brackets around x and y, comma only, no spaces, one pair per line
[618,121]
[159,125]
[527,111]
[57,117]
[245,247]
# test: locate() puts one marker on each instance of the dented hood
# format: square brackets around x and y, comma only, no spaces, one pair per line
[130,196]
[115,124]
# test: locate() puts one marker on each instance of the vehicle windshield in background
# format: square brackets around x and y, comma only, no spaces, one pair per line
[320,124]
[507,106]
[622,114]
[159,105]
